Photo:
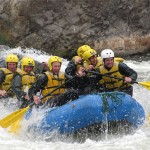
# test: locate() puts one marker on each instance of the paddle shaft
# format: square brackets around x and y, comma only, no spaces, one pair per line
[106,75]
[13,117]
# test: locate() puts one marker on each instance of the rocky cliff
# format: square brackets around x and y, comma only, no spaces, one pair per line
[61,26]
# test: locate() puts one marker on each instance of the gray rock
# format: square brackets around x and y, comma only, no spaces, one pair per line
[59,26]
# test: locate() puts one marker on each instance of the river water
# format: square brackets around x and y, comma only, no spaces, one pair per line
[24,141]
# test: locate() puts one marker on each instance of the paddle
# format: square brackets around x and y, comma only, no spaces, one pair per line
[118,59]
[13,117]
[146,84]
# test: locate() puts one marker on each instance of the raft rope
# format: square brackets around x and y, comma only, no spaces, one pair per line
[114,97]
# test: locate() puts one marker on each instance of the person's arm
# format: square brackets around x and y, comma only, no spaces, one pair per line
[2,76]
[17,87]
[76,79]
[71,69]
[38,85]
[127,72]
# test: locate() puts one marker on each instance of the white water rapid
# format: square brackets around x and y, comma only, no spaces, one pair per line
[139,140]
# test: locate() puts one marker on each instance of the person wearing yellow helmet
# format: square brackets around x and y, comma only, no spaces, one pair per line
[27,64]
[82,49]
[48,81]
[54,64]
[79,58]
[115,69]
[92,60]
[11,62]
[92,63]
[76,60]
[83,83]
[23,79]
[6,75]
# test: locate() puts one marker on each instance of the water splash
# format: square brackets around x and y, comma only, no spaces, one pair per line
[139,140]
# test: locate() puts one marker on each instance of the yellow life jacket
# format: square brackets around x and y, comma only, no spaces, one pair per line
[27,79]
[111,83]
[99,63]
[7,82]
[54,81]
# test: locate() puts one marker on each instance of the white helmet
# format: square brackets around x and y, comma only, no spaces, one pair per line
[107,53]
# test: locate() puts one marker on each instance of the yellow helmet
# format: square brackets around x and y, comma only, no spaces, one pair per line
[82,49]
[53,59]
[12,58]
[27,61]
[88,54]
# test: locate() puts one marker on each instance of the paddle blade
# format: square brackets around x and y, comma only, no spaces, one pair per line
[148,118]
[15,127]
[10,119]
[145,84]
[118,59]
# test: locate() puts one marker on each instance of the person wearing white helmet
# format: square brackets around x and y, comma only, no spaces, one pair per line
[114,69]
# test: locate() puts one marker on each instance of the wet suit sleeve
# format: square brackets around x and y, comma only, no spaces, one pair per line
[70,71]
[17,87]
[127,71]
[2,76]
[38,85]
[97,74]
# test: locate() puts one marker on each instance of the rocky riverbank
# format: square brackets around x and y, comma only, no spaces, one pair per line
[60,26]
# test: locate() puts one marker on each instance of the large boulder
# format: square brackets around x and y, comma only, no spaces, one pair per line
[61,26]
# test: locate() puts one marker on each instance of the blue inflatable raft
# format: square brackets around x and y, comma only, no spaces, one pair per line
[91,110]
